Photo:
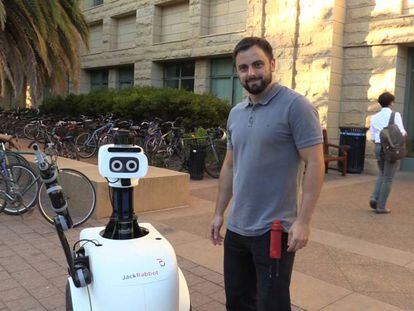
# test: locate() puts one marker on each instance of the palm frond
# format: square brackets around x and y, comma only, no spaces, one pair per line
[2,15]
[39,43]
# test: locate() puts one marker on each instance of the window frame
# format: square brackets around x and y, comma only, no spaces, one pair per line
[119,77]
[178,78]
[102,84]
[232,77]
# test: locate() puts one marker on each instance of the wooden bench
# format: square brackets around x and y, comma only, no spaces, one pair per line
[340,155]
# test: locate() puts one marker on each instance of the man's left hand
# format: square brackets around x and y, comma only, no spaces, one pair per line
[298,236]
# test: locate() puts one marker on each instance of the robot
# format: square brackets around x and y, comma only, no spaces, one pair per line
[125,265]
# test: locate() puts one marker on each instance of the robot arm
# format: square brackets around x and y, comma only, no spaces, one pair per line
[49,174]
[78,263]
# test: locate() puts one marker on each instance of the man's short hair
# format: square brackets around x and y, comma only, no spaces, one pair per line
[385,99]
[246,43]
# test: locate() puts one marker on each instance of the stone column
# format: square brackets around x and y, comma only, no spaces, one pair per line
[84,82]
[113,78]
[204,17]
[108,25]
[157,75]
[147,22]
[143,75]
[194,17]
[148,28]
[255,18]
[202,76]
[336,74]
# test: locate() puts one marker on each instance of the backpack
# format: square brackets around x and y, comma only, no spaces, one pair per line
[392,141]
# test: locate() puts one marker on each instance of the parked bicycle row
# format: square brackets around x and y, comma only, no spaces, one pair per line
[166,143]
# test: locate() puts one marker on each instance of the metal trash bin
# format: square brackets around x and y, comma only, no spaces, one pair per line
[197,161]
[355,137]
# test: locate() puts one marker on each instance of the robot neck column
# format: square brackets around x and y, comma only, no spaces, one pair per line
[123,224]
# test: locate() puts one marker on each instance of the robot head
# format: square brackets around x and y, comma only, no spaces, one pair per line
[122,161]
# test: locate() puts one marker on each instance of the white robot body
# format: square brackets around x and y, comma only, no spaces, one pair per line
[130,275]
[123,266]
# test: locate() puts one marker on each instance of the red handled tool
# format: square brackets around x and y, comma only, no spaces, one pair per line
[275,248]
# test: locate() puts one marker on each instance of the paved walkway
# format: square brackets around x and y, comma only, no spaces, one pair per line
[356,259]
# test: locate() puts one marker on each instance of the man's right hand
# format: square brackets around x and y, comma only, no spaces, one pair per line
[215,226]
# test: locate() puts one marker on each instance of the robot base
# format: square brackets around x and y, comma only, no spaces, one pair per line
[130,275]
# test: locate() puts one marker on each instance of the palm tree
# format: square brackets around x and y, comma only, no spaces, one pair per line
[39,45]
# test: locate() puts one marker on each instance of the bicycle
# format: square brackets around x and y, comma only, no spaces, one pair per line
[61,145]
[88,143]
[19,185]
[216,149]
[79,193]
[162,140]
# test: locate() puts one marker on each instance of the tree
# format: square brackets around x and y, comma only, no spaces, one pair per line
[39,45]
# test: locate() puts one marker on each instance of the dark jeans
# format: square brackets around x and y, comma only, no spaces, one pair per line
[246,274]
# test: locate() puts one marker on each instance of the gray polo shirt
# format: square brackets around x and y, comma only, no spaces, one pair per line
[265,139]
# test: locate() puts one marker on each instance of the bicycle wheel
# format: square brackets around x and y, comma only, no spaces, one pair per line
[79,193]
[31,130]
[215,161]
[22,193]
[86,145]
[151,147]
[15,158]
[3,191]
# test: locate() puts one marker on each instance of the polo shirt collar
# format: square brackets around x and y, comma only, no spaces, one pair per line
[266,98]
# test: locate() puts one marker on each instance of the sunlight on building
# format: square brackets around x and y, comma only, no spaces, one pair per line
[314,11]
[380,83]
[28,99]
[323,115]
[386,7]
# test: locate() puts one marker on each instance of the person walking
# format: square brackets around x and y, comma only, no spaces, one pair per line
[386,169]
[269,134]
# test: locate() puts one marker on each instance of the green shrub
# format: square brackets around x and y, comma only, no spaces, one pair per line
[143,103]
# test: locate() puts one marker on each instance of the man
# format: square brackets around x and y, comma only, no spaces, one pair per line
[386,169]
[268,135]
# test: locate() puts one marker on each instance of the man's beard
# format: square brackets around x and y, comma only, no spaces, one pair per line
[260,85]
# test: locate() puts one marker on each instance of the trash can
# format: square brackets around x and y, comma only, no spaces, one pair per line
[355,137]
[197,161]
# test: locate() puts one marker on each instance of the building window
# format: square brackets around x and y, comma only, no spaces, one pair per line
[95,37]
[126,77]
[87,4]
[227,16]
[179,75]
[99,79]
[125,33]
[224,81]
[171,22]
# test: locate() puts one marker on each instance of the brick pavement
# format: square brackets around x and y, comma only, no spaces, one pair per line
[344,267]
[33,268]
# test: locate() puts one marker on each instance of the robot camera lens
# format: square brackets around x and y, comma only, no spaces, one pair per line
[116,166]
[131,165]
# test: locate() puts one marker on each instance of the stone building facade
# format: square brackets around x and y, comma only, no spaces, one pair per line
[341,54]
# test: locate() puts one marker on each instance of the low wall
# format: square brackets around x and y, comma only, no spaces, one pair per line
[159,189]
